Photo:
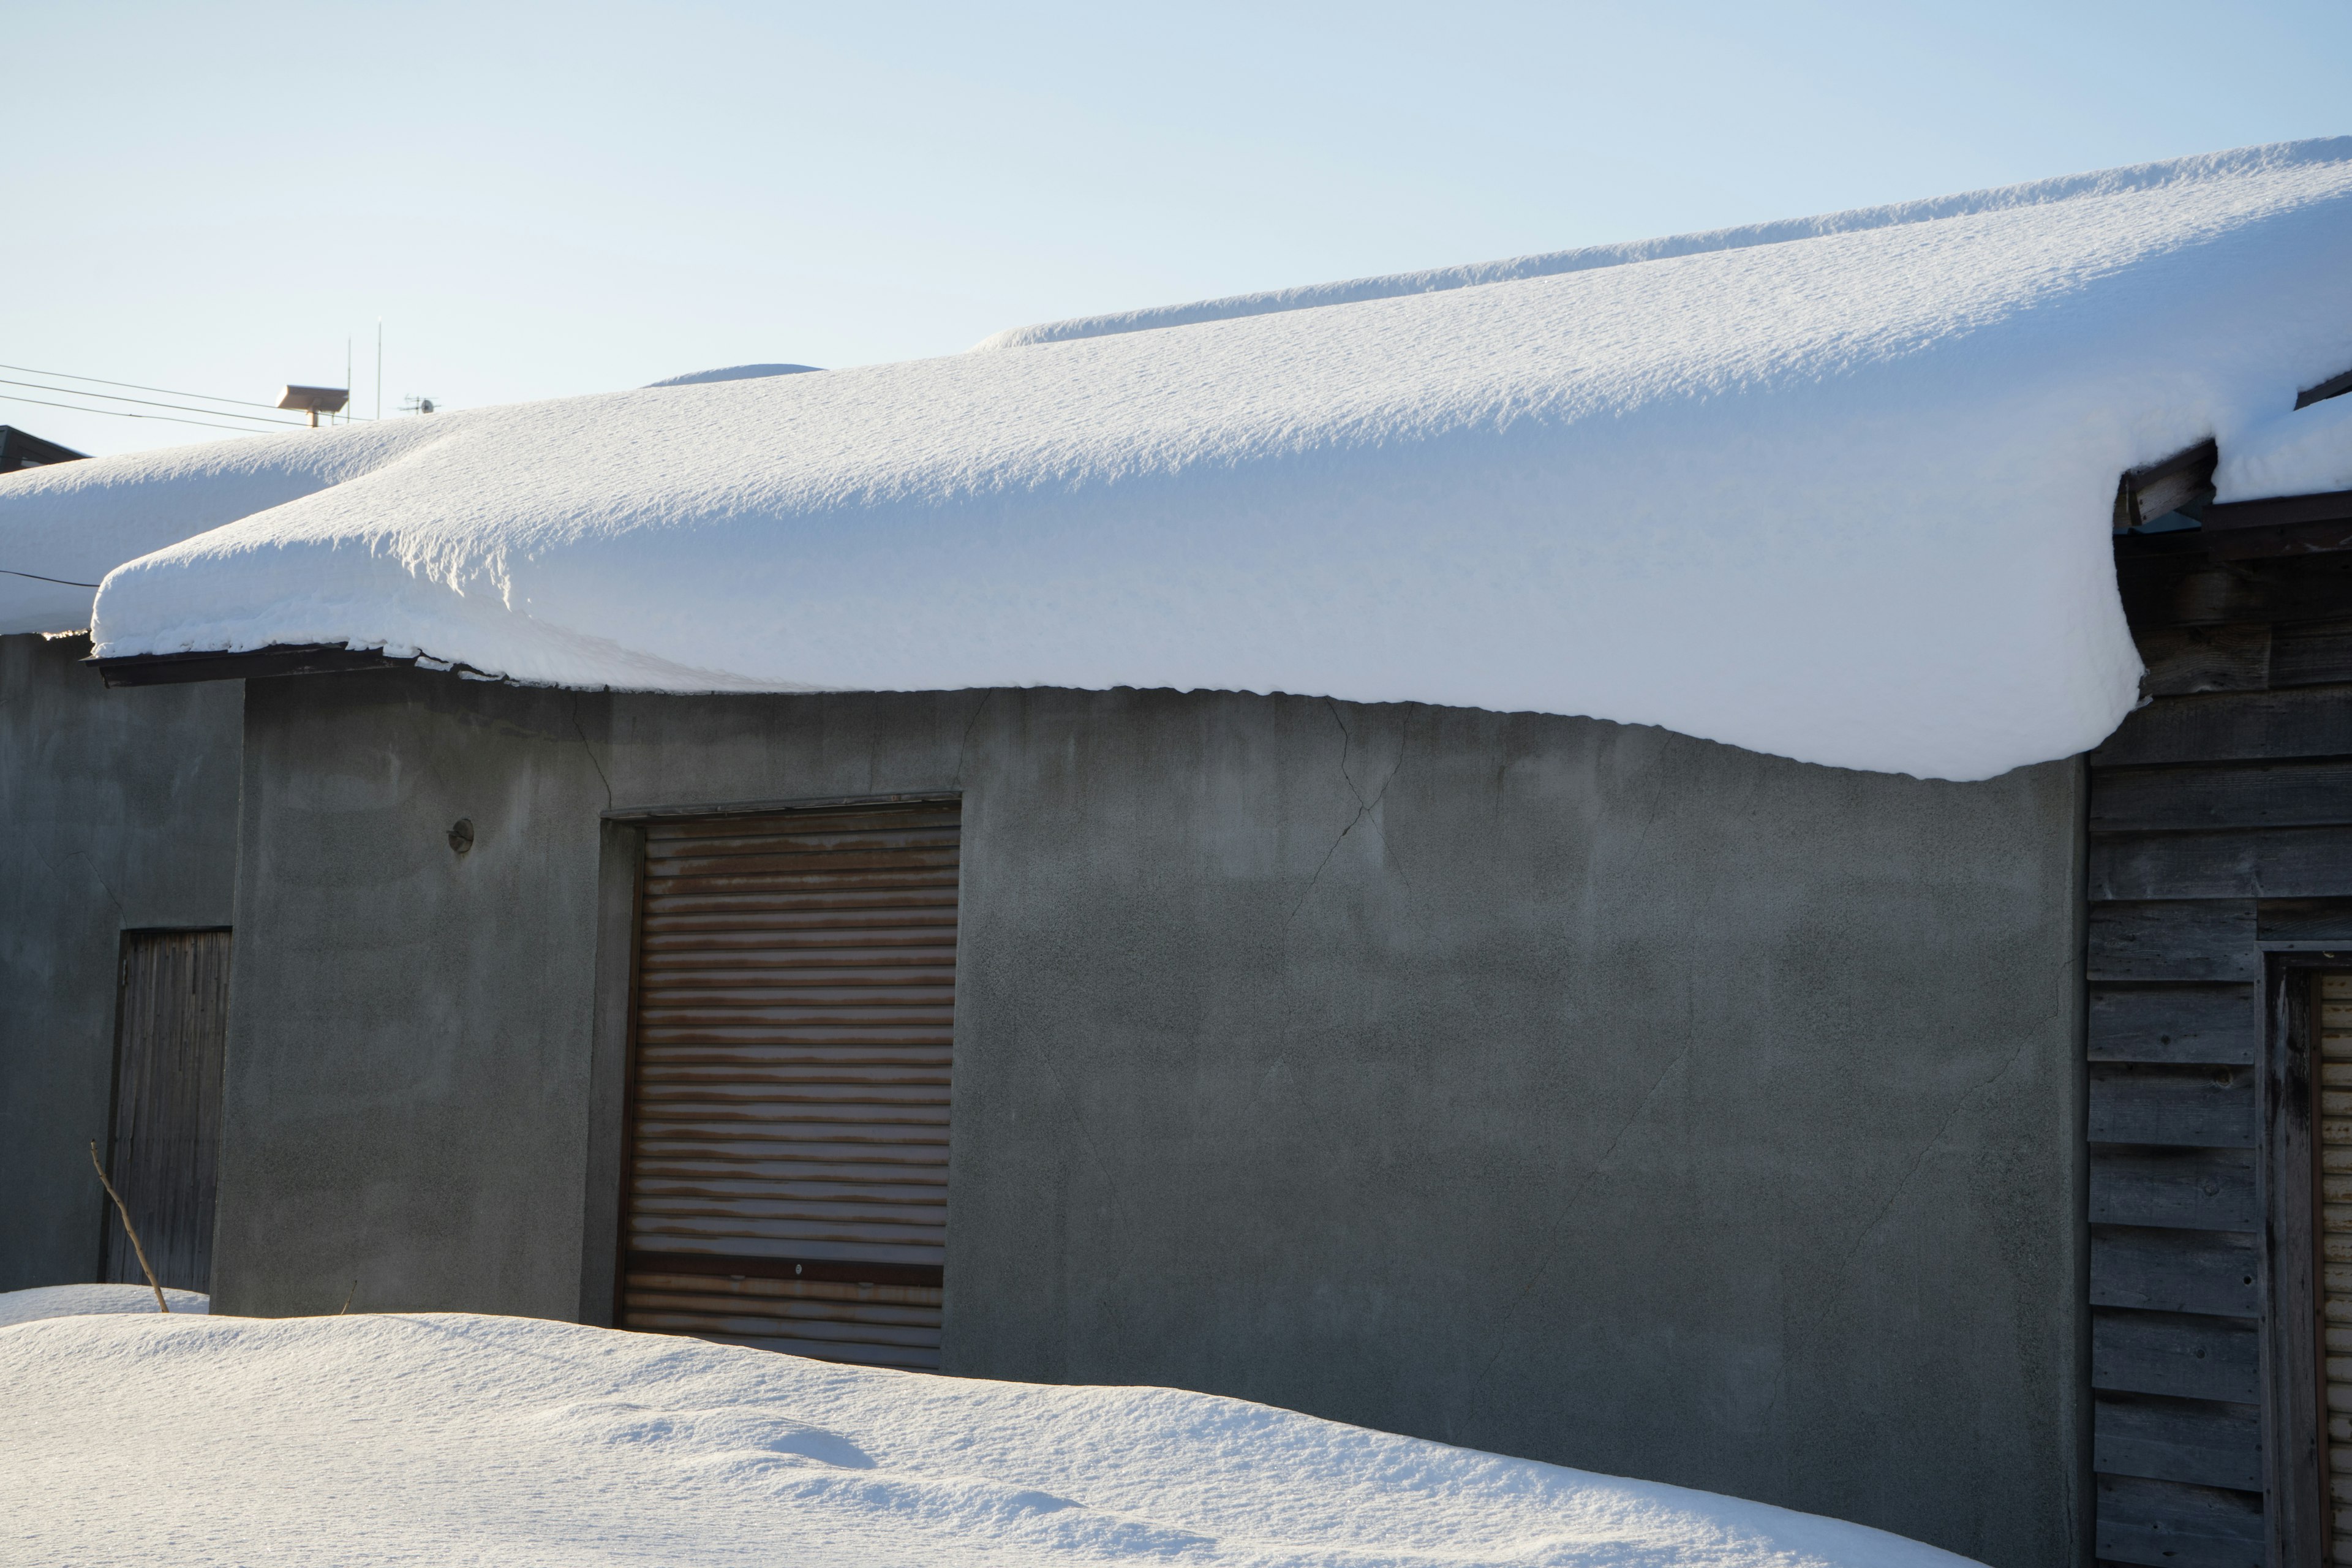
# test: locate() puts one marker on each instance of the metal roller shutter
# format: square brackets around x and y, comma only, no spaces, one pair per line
[2334,1123]
[794,1029]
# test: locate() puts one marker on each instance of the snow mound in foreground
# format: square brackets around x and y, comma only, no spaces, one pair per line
[441,1438]
[80,1300]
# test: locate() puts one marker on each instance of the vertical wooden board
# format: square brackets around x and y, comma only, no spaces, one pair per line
[2168,1524]
[2196,940]
[2174,1024]
[172,1030]
[2170,1439]
[2186,1357]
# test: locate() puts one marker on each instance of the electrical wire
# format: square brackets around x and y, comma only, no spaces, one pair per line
[126,414]
[132,385]
[36,577]
[148,403]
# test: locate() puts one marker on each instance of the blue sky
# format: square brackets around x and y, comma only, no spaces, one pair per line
[545,200]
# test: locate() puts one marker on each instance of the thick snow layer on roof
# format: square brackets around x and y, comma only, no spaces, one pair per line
[1840,490]
[1585,258]
[446,1438]
[64,526]
[80,1300]
[2307,452]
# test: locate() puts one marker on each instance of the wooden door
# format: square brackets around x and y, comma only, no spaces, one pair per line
[794,1026]
[171,1033]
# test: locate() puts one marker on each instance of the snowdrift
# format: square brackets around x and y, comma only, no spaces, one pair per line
[447,1439]
[80,1300]
[1838,488]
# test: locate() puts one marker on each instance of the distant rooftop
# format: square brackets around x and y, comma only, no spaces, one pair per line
[23,449]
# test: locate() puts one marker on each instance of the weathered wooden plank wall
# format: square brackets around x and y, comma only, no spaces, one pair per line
[2221,826]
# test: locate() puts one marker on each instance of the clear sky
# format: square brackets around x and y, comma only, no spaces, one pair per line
[544,200]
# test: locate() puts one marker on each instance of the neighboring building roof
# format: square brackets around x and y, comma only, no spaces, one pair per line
[1839,490]
[23,449]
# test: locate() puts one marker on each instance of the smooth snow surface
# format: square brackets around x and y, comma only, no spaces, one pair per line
[446,1438]
[79,1300]
[1838,489]
[733,373]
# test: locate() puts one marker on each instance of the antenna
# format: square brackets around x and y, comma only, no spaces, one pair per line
[347,378]
[379,367]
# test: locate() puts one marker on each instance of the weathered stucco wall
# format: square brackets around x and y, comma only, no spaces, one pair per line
[117,811]
[1544,1085]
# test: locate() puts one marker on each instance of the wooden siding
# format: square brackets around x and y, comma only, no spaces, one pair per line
[170,1035]
[2220,834]
[794,1026]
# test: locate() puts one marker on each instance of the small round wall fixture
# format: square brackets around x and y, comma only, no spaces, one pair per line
[461,835]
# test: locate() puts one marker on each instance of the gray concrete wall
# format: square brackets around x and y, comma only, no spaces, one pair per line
[117,811]
[1570,1089]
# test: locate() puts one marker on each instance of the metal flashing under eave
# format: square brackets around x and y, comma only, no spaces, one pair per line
[311,658]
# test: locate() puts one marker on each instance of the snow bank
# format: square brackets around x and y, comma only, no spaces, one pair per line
[447,1439]
[79,1300]
[1837,489]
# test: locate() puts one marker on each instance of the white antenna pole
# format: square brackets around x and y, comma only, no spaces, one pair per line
[379,367]
[347,378]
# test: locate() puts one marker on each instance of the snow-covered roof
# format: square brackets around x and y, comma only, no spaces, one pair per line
[1838,489]
[732,373]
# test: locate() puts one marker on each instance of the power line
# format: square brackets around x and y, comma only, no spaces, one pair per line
[126,414]
[36,577]
[144,402]
[132,385]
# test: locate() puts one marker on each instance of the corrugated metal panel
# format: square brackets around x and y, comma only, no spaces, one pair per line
[171,1033]
[2335,1146]
[794,1030]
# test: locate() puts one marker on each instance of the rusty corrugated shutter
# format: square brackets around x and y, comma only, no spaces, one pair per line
[2334,1123]
[794,1029]
[171,1033]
